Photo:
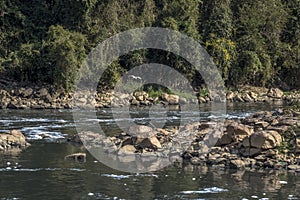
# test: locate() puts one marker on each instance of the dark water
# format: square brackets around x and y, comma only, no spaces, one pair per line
[40,172]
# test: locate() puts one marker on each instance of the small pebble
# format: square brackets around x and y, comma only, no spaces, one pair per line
[8,163]
[8,168]
[91,194]
[95,161]
[254,197]
[193,179]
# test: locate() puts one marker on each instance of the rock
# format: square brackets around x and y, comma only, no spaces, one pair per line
[131,141]
[246,97]
[183,100]
[13,105]
[238,98]
[202,100]
[196,161]
[27,93]
[261,124]
[43,92]
[78,157]
[250,152]
[236,164]
[135,102]
[246,142]
[230,96]
[172,99]
[140,130]
[127,150]
[253,95]
[294,167]
[224,140]
[140,98]
[13,139]
[267,139]
[238,131]
[151,143]
[275,93]
[295,113]
[297,145]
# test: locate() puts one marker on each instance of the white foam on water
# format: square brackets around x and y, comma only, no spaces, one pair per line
[211,190]
[114,176]
[40,169]
[41,132]
[147,175]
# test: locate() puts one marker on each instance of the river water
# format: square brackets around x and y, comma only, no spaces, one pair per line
[40,171]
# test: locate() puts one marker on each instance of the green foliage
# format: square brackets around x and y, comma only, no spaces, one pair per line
[259,28]
[65,53]
[155,91]
[252,42]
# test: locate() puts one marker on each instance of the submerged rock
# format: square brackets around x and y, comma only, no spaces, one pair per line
[79,157]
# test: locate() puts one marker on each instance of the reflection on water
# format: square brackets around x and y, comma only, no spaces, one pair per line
[41,172]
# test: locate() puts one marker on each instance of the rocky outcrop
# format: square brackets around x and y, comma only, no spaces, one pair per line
[262,140]
[13,139]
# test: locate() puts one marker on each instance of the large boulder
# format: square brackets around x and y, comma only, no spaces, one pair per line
[13,139]
[267,139]
[237,132]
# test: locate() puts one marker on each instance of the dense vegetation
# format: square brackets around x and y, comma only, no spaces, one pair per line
[252,42]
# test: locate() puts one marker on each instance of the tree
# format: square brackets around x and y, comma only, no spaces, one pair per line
[259,26]
[65,53]
[217,30]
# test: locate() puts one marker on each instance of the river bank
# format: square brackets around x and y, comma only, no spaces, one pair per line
[16,96]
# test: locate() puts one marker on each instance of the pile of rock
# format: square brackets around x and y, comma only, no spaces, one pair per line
[34,98]
[13,96]
[250,95]
[263,140]
[13,139]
